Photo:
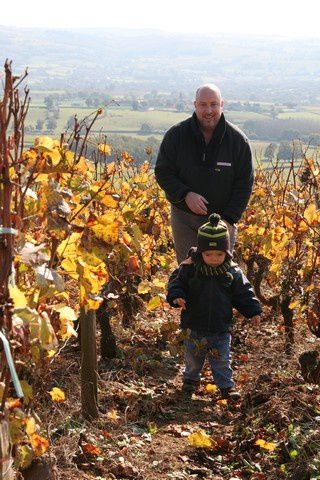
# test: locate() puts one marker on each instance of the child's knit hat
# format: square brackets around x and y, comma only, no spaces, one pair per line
[214,235]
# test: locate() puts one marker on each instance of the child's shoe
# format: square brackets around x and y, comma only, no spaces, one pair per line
[230,394]
[190,386]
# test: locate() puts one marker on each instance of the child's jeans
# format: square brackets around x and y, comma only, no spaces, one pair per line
[216,348]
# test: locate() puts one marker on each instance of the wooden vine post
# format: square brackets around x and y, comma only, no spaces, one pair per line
[89,387]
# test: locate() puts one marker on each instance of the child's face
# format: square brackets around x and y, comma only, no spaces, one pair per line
[214,258]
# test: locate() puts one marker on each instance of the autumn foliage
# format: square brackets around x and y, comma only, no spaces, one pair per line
[77,226]
[93,227]
[280,242]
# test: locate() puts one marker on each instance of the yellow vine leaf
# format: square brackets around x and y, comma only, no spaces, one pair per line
[158,283]
[200,439]
[260,192]
[154,303]
[111,168]
[141,178]
[41,178]
[40,328]
[57,395]
[107,228]
[47,334]
[66,330]
[44,144]
[152,428]
[25,456]
[113,415]
[16,428]
[84,167]
[68,248]
[127,238]
[294,304]
[211,388]
[310,288]
[104,148]
[270,446]
[67,313]
[69,265]
[144,287]
[109,201]
[67,317]
[310,213]
[18,297]
[51,353]
[55,157]
[39,444]
[31,426]
[27,390]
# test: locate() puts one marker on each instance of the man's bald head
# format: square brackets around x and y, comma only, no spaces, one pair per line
[208,106]
[208,87]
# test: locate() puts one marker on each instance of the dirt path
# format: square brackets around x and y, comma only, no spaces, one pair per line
[145,420]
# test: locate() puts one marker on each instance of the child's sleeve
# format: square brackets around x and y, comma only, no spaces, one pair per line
[178,284]
[243,297]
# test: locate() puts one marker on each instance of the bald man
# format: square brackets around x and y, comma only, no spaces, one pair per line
[204,165]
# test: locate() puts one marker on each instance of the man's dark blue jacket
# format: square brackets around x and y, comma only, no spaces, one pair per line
[221,171]
[210,299]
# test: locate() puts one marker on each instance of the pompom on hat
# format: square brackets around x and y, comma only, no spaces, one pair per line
[214,235]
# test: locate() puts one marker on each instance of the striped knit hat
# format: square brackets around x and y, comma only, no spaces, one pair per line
[214,235]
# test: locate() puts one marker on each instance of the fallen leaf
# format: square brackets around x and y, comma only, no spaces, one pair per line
[211,388]
[154,303]
[91,449]
[270,446]
[57,395]
[200,439]
[223,402]
[113,415]
[152,428]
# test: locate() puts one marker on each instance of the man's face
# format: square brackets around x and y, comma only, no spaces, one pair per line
[208,107]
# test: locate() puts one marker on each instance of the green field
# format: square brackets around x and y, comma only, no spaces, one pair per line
[240,117]
[303,115]
[125,121]
[122,120]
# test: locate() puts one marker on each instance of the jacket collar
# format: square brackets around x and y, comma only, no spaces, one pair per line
[218,132]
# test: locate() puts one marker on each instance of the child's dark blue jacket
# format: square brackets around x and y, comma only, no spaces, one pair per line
[210,299]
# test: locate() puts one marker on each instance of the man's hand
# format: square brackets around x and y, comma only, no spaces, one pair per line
[197,203]
[256,320]
[181,302]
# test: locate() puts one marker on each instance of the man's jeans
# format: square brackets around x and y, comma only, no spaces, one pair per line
[216,348]
[185,230]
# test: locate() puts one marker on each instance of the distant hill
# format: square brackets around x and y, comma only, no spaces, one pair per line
[253,68]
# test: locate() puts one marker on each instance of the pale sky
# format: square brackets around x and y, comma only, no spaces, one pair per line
[271,17]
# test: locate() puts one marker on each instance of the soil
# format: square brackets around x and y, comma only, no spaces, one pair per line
[145,421]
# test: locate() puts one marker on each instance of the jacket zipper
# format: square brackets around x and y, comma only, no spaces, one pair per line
[204,156]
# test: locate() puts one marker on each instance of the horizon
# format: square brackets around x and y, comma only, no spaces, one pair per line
[146,30]
[246,18]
